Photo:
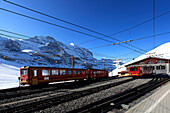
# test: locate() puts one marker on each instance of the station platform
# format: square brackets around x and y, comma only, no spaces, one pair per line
[158,102]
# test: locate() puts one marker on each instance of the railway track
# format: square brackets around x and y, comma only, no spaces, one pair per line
[115,101]
[45,103]
[23,91]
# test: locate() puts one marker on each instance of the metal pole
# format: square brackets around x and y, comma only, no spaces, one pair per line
[154,23]
[72,62]
[104,63]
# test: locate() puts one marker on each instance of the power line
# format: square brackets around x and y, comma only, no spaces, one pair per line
[130,40]
[52,24]
[63,27]
[9,36]
[67,22]
[15,33]
[133,26]
[142,22]
[58,55]
[45,55]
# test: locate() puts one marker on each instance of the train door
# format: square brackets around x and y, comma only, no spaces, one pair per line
[88,72]
[34,76]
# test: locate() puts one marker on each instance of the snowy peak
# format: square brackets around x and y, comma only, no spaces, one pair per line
[42,39]
[46,51]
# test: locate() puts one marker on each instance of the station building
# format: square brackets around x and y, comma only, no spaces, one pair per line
[159,65]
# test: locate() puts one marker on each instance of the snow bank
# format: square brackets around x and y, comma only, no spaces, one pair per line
[8,76]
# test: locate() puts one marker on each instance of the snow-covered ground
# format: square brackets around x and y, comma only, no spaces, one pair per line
[8,75]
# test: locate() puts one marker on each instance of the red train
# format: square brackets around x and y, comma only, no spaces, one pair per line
[44,75]
[140,70]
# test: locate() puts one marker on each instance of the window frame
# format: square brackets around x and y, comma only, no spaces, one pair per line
[24,72]
[69,72]
[56,71]
[46,70]
[74,72]
[62,72]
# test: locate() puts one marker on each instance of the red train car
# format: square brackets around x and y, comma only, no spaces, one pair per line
[140,70]
[44,75]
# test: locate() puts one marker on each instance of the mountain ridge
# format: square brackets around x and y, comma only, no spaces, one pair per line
[47,51]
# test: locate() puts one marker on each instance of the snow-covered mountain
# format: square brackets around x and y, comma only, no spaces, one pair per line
[46,51]
[43,51]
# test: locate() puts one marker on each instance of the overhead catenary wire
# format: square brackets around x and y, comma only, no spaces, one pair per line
[58,55]
[131,27]
[52,24]
[15,33]
[9,36]
[68,22]
[65,28]
[130,40]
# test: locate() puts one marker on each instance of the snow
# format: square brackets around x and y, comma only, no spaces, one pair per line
[27,51]
[8,76]
[72,44]
[161,51]
[41,51]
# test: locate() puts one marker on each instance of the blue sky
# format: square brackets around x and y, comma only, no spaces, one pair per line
[104,16]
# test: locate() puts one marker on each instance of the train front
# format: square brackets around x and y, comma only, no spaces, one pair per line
[24,76]
[134,71]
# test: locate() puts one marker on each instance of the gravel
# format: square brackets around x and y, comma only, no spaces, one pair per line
[51,93]
[80,102]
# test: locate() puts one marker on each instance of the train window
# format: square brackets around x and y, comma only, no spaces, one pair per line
[162,67]
[74,72]
[62,72]
[158,67]
[79,72]
[23,72]
[94,72]
[83,72]
[45,72]
[91,72]
[98,72]
[55,72]
[134,69]
[69,72]
[150,62]
[160,61]
[87,72]
[35,72]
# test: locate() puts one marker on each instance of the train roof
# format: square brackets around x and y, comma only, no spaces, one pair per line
[59,68]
